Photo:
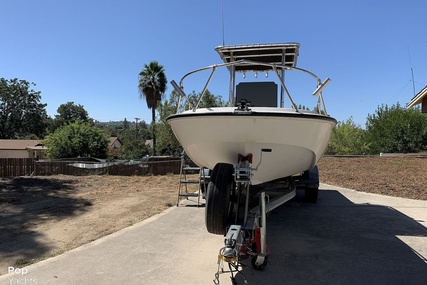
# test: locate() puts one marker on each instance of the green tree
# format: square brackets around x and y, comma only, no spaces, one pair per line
[114,128]
[397,130]
[132,136]
[126,124]
[77,139]
[208,100]
[152,85]
[347,139]
[133,148]
[167,142]
[69,113]
[21,113]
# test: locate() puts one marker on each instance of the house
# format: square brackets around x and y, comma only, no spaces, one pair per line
[114,146]
[115,143]
[35,148]
[420,98]
[22,149]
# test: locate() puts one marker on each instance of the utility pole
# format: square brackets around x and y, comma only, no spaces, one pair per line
[136,127]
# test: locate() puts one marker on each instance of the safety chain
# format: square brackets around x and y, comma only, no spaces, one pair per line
[233,265]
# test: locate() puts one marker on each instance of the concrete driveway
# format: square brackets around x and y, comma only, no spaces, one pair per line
[349,237]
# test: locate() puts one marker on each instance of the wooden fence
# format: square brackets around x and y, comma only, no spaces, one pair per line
[16,166]
[11,167]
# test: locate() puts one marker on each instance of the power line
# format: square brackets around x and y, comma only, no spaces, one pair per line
[398,92]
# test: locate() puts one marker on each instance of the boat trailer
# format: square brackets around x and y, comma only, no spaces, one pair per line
[244,219]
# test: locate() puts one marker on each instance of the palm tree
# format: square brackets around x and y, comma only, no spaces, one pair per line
[152,84]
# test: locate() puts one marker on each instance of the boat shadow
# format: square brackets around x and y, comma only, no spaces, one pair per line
[338,242]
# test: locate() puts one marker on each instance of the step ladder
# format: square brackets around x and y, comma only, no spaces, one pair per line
[184,181]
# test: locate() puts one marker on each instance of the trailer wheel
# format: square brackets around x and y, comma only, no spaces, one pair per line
[218,198]
[311,194]
[312,186]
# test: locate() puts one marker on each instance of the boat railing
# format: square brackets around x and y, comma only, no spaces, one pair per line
[276,68]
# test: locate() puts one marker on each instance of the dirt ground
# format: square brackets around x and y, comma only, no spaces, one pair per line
[42,217]
[393,176]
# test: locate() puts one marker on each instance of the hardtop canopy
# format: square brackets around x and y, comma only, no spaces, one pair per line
[281,54]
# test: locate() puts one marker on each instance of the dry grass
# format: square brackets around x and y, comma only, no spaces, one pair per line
[393,176]
[44,216]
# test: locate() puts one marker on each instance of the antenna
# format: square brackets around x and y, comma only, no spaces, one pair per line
[412,71]
[222,20]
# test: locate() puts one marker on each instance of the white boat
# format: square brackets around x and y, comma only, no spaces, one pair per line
[257,119]
[255,147]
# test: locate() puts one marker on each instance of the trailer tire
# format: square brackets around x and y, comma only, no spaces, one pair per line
[218,198]
[311,194]
[312,186]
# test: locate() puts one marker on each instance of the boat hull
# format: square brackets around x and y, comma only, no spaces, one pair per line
[296,140]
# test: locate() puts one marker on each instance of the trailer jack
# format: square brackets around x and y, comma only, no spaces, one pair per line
[240,244]
[246,230]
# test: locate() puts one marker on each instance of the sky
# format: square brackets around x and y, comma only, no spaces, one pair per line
[91,52]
